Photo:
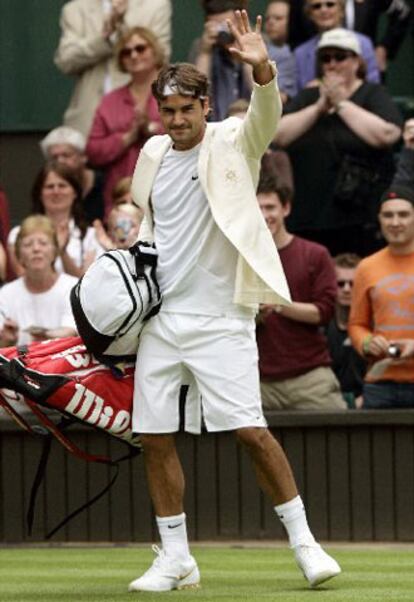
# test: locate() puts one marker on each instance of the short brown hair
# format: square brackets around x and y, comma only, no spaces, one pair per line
[214,7]
[346,260]
[186,78]
[67,174]
[269,182]
[36,223]
[149,36]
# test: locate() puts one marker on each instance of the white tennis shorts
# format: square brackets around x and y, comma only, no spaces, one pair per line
[216,356]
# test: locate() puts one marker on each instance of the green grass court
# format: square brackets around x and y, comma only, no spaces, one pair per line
[101,574]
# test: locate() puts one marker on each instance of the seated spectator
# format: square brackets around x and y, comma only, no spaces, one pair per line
[405,165]
[123,225]
[340,138]
[294,360]
[277,162]
[229,79]
[67,146]
[327,16]
[90,30]
[57,193]
[348,365]
[36,306]
[382,310]
[276,31]
[127,116]
[363,16]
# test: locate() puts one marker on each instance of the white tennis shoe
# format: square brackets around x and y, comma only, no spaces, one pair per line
[316,565]
[167,573]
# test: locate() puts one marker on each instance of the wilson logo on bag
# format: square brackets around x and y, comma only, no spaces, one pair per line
[62,375]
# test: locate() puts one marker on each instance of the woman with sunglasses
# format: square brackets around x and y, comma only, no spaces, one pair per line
[326,15]
[127,116]
[339,136]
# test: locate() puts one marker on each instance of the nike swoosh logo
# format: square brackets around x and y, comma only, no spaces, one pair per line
[174,526]
[194,178]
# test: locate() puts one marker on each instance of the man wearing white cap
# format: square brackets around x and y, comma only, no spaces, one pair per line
[217,262]
[67,146]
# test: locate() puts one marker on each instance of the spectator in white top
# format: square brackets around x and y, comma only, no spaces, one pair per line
[90,29]
[57,193]
[36,306]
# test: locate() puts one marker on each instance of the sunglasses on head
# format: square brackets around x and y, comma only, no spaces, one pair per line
[339,56]
[319,5]
[138,48]
[342,283]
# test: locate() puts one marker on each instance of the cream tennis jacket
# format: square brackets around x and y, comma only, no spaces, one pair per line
[228,169]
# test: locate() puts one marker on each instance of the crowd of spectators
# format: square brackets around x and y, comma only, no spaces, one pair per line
[342,157]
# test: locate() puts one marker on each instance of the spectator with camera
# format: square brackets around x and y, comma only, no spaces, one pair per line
[353,124]
[382,310]
[348,365]
[229,78]
[294,360]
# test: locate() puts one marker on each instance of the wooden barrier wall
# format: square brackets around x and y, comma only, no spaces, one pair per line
[355,471]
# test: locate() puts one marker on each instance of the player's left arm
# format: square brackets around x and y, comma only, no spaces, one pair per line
[260,124]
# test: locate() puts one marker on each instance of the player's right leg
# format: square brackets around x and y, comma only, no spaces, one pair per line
[156,417]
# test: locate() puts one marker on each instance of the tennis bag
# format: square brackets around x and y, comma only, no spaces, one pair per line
[62,375]
[113,300]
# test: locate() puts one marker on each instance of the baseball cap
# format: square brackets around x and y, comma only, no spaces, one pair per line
[398,191]
[340,38]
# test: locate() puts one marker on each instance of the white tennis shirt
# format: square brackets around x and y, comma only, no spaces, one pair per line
[196,262]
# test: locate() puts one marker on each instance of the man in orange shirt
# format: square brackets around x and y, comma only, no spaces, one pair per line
[381,323]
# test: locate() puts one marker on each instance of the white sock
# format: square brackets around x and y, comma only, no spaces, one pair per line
[293,516]
[173,533]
